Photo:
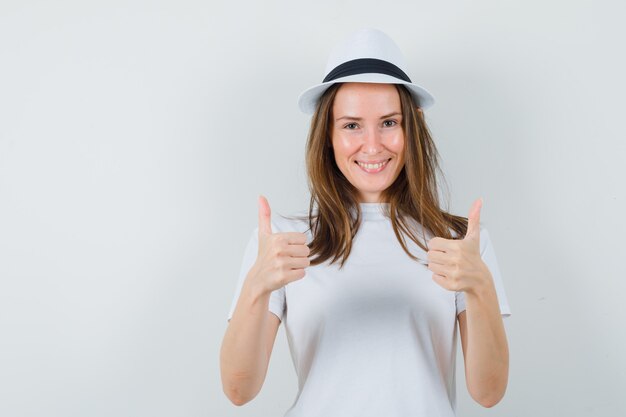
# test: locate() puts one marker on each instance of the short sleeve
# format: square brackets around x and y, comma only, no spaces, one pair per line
[277,298]
[488,256]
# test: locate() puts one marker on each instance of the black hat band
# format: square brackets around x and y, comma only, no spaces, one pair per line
[366,65]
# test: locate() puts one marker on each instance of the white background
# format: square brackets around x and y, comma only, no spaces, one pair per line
[136,136]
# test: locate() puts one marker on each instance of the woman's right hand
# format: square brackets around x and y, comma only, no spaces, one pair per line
[282,257]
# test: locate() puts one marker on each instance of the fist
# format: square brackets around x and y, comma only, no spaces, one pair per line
[282,257]
[456,264]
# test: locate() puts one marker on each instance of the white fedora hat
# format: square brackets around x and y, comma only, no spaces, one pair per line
[366,56]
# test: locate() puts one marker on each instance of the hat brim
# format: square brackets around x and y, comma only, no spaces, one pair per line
[307,100]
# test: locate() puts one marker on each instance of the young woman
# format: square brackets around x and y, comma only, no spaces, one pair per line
[374,281]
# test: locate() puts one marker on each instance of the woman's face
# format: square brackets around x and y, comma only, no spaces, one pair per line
[367,129]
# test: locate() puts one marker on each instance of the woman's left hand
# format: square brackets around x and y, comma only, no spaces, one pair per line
[456,264]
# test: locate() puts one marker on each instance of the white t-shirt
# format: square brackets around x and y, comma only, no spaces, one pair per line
[377,338]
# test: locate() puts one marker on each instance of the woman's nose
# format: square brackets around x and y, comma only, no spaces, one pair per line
[372,140]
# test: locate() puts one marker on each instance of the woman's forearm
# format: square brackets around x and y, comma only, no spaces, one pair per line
[487,355]
[243,355]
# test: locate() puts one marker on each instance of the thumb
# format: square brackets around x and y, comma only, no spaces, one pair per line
[473,220]
[265,214]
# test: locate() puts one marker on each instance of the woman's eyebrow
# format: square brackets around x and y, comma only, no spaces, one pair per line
[360,118]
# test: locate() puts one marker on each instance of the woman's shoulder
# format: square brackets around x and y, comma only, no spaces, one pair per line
[296,221]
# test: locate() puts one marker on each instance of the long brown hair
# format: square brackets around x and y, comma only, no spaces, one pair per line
[413,195]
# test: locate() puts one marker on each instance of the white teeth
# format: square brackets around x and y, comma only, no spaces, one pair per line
[372,166]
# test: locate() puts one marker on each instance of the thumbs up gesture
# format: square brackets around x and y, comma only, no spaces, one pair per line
[456,264]
[282,257]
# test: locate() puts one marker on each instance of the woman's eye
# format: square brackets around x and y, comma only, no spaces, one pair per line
[350,124]
[393,122]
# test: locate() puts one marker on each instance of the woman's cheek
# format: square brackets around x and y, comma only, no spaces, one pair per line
[396,141]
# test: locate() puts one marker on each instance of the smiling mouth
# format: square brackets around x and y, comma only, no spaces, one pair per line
[372,168]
